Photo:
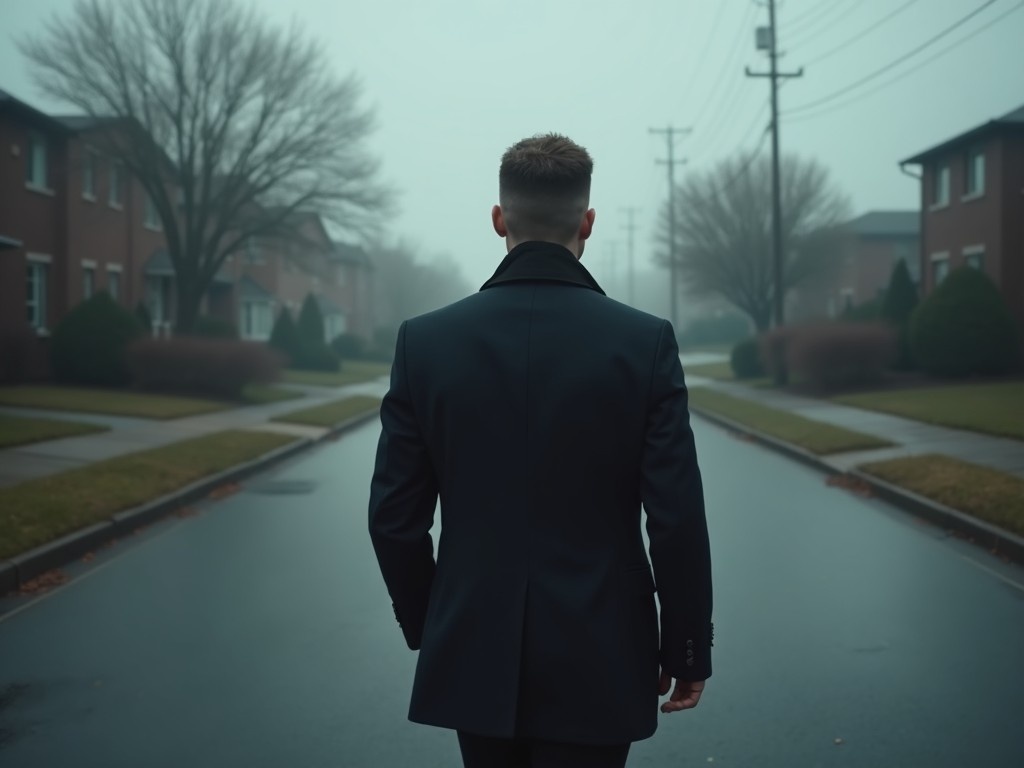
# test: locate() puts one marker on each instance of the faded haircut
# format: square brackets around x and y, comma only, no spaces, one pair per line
[544,187]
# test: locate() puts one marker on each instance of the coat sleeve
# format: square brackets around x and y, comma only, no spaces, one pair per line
[673,499]
[403,496]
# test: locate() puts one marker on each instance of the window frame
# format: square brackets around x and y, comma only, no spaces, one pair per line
[115,193]
[941,171]
[38,140]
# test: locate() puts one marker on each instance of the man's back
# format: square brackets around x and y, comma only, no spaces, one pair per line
[534,400]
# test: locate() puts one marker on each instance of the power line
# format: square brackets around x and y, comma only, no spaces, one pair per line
[881,71]
[754,154]
[807,34]
[811,16]
[670,141]
[860,35]
[712,36]
[920,65]
[724,72]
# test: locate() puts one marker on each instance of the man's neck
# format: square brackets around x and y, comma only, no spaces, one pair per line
[573,247]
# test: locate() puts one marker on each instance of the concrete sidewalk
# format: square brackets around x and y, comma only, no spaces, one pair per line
[910,438]
[129,435]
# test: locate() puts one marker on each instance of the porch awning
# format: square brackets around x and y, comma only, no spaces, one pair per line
[9,243]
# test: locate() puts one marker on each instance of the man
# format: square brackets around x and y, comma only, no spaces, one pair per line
[543,413]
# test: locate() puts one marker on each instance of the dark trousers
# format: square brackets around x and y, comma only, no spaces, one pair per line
[487,752]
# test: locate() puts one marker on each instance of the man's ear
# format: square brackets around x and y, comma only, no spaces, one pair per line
[498,221]
[587,225]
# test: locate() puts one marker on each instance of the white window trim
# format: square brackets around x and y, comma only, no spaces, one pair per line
[115,268]
[30,184]
[86,195]
[88,264]
[972,250]
[44,260]
[39,258]
[968,195]
[939,256]
[938,205]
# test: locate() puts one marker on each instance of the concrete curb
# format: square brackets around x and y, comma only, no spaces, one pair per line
[25,567]
[983,534]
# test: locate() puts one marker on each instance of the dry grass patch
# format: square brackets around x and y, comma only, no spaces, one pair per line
[814,436]
[18,430]
[37,511]
[987,494]
[330,414]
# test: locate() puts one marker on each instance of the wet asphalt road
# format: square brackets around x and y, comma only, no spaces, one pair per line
[259,634]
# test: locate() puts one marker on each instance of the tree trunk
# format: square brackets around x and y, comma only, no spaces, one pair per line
[189,297]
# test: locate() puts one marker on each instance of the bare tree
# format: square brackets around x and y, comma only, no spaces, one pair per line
[231,125]
[724,236]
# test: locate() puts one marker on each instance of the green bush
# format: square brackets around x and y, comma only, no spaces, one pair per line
[311,322]
[209,327]
[964,328]
[88,345]
[897,308]
[746,360]
[348,346]
[284,336]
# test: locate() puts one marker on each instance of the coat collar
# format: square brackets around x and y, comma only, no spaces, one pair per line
[537,261]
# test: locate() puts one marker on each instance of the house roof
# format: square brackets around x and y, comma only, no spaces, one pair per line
[1010,121]
[886,224]
[347,253]
[10,103]
[159,265]
[250,290]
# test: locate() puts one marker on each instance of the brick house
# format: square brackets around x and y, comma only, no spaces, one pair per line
[972,207]
[73,222]
[874,244]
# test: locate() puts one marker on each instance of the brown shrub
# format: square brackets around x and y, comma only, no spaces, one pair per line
[216,367]
[839,355]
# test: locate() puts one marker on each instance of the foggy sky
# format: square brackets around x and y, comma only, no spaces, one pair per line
[454,82]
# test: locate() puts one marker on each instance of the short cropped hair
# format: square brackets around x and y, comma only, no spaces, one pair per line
[544,187]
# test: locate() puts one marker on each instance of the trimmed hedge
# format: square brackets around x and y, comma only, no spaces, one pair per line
[348,346]
[837,356]
[88,345]
[964,328]
[746,360]
[216,367]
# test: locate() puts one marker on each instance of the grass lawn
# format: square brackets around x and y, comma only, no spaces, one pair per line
[814,436]
[37,511]
[721,371]
[996,409]
[989,495]
[352,372]
[115,402]
[260,394]
[329,414]
[17,430]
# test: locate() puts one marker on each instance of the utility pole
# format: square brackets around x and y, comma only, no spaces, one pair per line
[630,228]
[670,141]
[770,39]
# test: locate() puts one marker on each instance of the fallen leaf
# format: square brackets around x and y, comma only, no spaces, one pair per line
[44,582]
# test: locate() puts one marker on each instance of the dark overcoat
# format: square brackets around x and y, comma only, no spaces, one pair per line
[543,414]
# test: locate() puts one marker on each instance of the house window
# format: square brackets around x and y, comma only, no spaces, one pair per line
[940,268]
[36,296]
[88,282]
[89,175]
[151,217]
[115,196]
[975,171]
[255,320]
[36,172]
[940,194]
[114,284]
[975,257]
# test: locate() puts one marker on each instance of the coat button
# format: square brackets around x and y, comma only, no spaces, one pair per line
[689,643]
[689,662]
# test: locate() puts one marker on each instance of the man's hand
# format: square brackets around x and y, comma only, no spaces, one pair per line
[685,696]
